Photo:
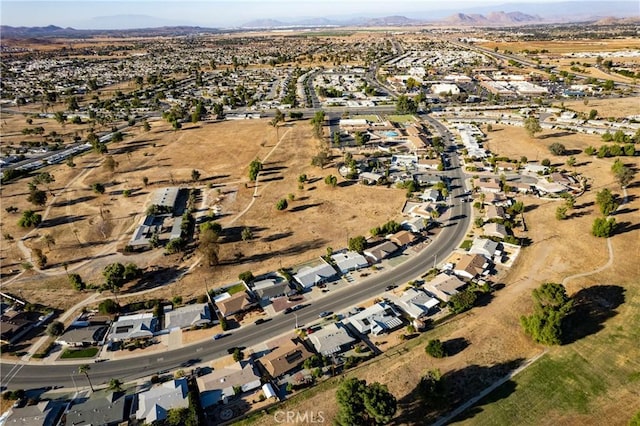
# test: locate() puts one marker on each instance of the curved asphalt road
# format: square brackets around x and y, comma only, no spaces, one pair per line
[26,376]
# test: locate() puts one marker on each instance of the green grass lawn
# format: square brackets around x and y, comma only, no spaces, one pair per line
[79,353]
[236,289]
[405,118]
[585,378]
[466,245]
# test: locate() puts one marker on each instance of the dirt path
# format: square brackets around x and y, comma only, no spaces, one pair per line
[255,188]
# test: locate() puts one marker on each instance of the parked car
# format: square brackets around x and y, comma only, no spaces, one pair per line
[259,321]
[324,314]
[219,336]
[390,287]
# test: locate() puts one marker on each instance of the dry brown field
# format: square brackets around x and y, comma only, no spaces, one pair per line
[569,46]
[617,108]
[559,249]
[88,227]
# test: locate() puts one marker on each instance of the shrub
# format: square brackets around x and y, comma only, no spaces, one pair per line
[435,348]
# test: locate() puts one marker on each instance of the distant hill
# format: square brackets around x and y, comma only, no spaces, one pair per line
[492,19]
[265,23]
[389,21]
[610,20]
[9,32]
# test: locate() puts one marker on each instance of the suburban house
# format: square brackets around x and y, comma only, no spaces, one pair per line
[270,288]
[381,251]
[370,178]
[402,238]
[432,195]
[496,199]
[377,319]
[232,304]
[349,261]
[416,303]
[420,210]
[218,386]
[83,336]
[331,339]
[494,212]
[495,230]
[14,325]
[196,315]
[443,286]
[308,276]
[487,184]
[470,266]
[129,327]
[415,225]
[485,247]
[110,410]
[44,413]
[285,358]
[154,404]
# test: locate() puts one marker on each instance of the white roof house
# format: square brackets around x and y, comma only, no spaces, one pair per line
[484,246]
[376,319]
[415,224]
[331,339]
[309,276]
[136,326]
[218,385]
[154,404]
[349,261]
[495,230]
[416,303]
[430,195]
[188,316]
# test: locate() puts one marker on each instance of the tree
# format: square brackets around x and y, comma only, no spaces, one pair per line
[55,329]
[321,159]
[557,148]
[405,105]
[108,307]
[246,234]
[76,282]
[435,348]
[254,168]
[40,258]
[115,385]
[318,123]
[29,218]
[357,244]
[532,126]
[208,246]
[551,306]
[146,126]
[331,180]
[623,174]
[114,276]
[44,178]
[238,355]
[48,240]
[98,188]
[561,213]
[360,404]
[282,204]
[607,202]
[195,175]
[37,197]
[145,180]
[110,163]
[545,162]
[571,161]
[462,301]
[593,114]
[246,276]
[60,117]
[84,369]
[603,228]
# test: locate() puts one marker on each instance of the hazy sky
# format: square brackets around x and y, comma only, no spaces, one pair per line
[215,13]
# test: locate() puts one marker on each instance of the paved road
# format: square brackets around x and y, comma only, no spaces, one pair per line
[25,376]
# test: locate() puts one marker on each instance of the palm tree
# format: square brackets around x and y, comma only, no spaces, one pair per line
[84,369]
[48,240]
[115,385]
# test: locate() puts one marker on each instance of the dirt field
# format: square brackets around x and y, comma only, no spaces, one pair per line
[493,331]
[617,108]
[88,227]
[570,46]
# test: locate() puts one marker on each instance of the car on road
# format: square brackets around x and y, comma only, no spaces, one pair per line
[293,308]
[324,314]
[390,287]
[260,321]
[218,336]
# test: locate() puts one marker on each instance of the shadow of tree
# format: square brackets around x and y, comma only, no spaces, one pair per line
[592,307]
[422,406]
[455,346]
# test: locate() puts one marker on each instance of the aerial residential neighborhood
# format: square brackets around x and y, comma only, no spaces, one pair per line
[220,214]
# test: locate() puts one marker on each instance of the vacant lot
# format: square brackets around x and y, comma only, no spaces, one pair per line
[88,227]
[494,340]
[618,108]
